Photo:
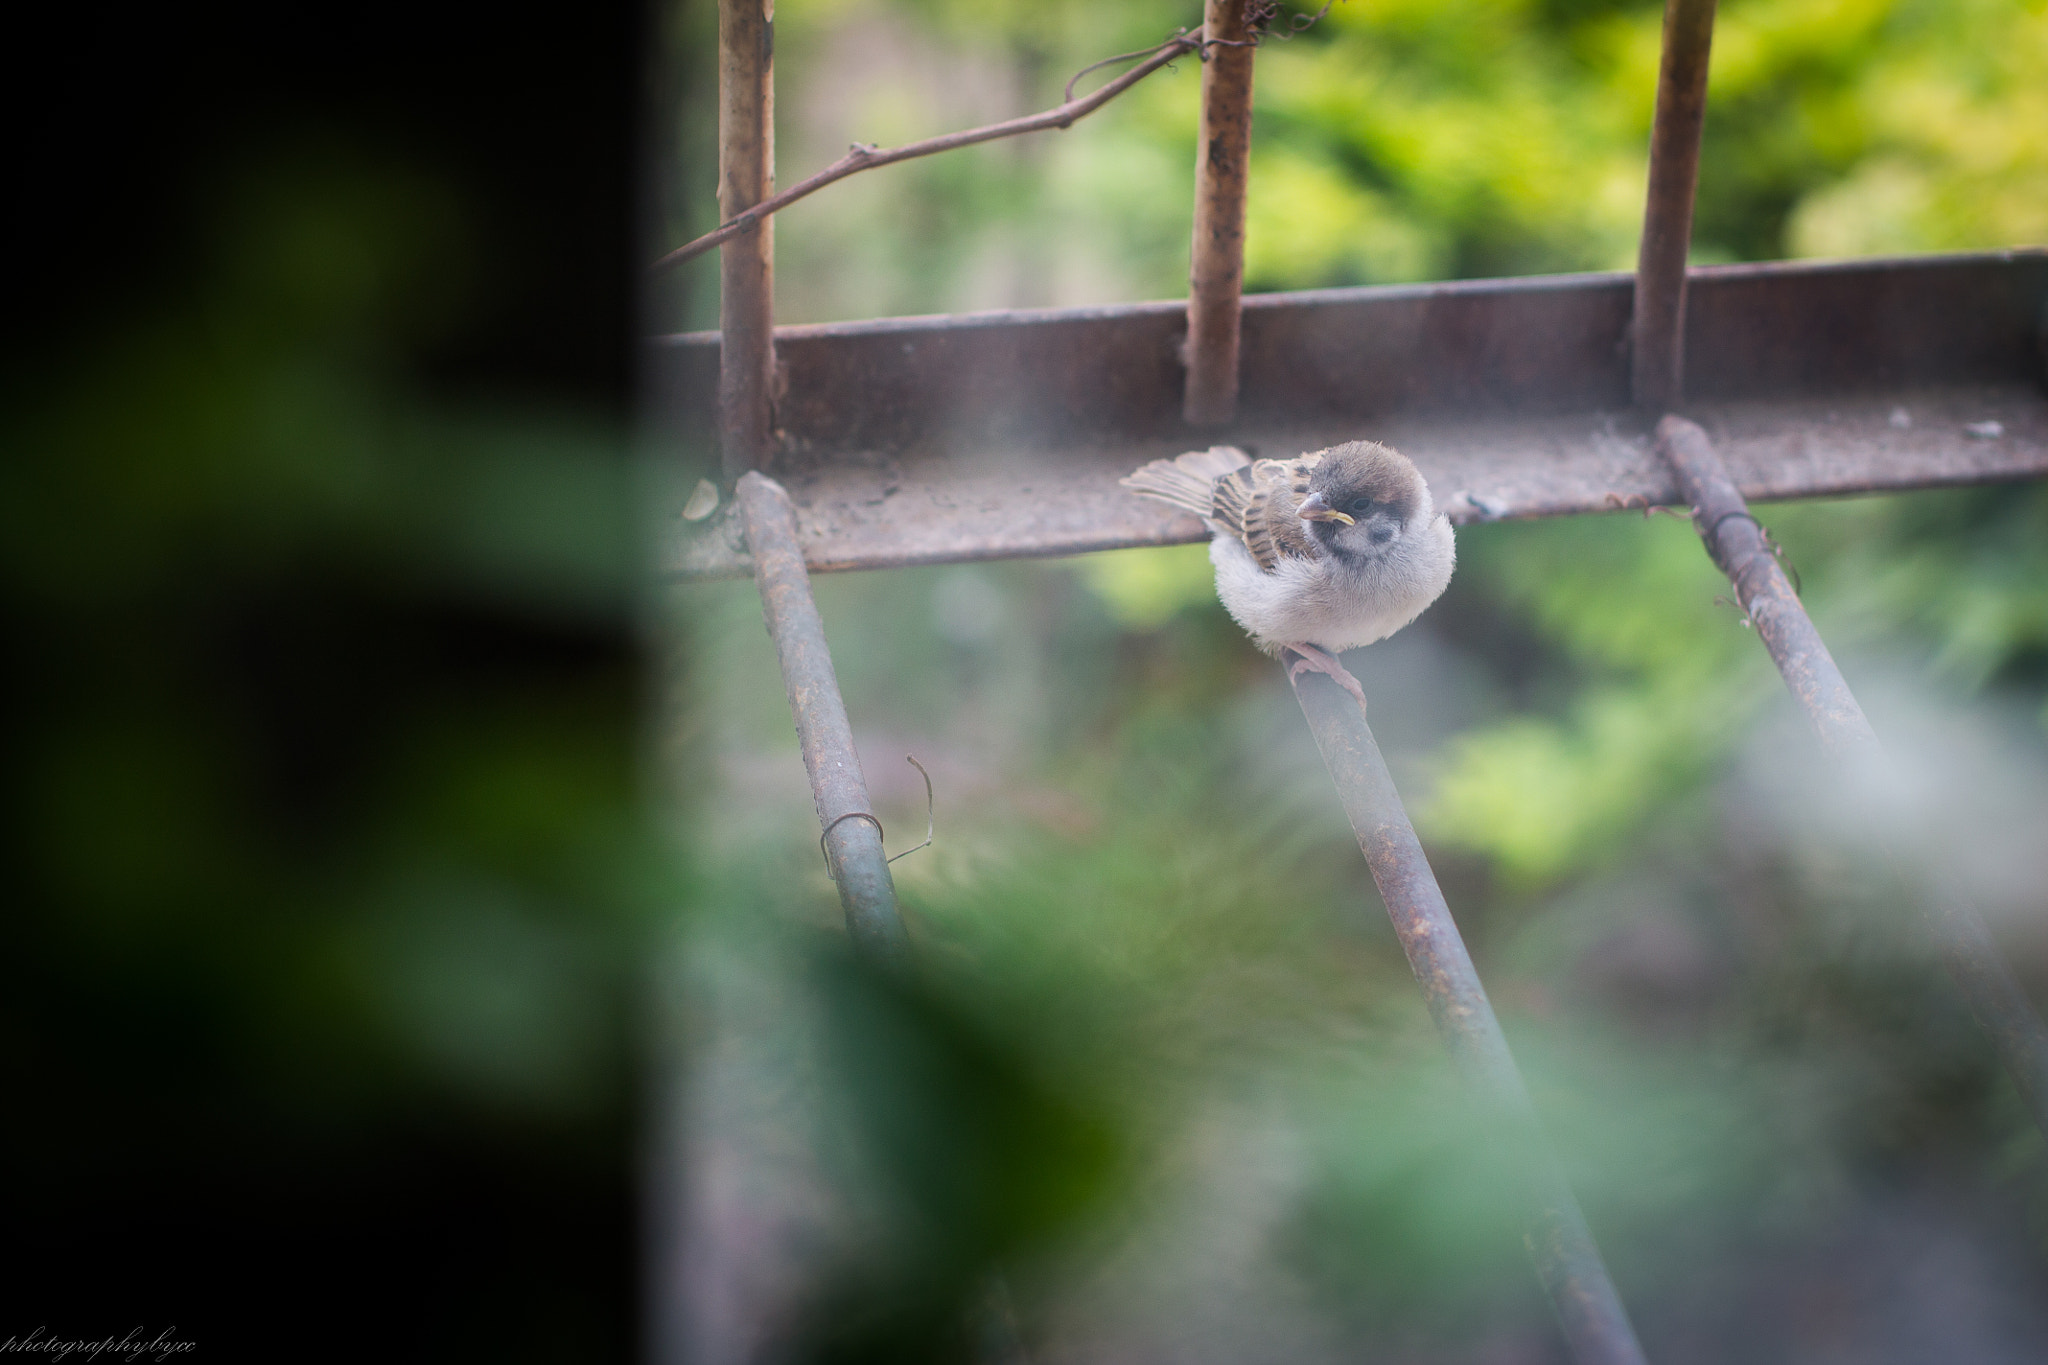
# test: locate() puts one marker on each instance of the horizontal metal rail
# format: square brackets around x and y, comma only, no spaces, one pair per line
[1736,543]
[926,440]
[852,835]
[1559,1242]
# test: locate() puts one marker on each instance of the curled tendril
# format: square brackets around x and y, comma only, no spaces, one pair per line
[930,827]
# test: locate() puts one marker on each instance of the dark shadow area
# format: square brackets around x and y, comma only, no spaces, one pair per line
[326,876]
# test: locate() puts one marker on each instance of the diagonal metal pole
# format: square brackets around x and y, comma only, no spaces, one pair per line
[1736,543]
[1595,1324]
[1657,332]
[852,835]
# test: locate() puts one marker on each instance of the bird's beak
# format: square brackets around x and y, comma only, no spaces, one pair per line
[1313,508]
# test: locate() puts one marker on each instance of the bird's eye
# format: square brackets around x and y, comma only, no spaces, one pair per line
[1359,506]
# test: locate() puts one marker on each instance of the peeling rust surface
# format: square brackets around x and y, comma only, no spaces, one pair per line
[853,846]
[1567,1260]
[913,441]
[1736,544]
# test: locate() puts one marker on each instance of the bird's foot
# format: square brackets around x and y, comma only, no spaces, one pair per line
[1315,659]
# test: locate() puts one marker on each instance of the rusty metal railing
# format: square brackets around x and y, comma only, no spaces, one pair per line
[1223,149]
[746,176]
[1559,1243]
[851,835]
[1657,328]
[1735,542]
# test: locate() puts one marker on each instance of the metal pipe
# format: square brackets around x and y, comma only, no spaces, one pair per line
[746,176]
[852,836]
[1567,1260]
[1216,260]
[1657,333]
[1736,543]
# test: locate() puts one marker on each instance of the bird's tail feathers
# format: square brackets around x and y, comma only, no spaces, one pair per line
[1188,480]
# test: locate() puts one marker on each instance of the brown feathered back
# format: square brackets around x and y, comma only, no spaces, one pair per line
[1253,500]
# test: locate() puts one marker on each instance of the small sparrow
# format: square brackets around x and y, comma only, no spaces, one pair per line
[1317,554]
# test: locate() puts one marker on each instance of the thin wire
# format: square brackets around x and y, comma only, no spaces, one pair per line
[880,833]
[929,826]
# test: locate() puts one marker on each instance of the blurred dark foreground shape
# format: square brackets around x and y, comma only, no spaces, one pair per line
[316,545]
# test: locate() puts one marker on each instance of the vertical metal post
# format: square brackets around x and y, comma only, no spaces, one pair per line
[1736,543]
[746,176]
[1567,1260]
[1657,334]
[1216,261]
[852,835]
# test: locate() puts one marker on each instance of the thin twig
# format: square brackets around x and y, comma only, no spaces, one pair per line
[1067,95]
[866,156]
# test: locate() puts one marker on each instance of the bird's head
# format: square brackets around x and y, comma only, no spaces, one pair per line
[1363,498]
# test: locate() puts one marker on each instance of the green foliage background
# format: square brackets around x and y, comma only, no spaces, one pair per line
[1395,140]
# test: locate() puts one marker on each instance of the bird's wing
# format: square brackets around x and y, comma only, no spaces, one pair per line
[1187,481]
[1256,504]
[1253,500]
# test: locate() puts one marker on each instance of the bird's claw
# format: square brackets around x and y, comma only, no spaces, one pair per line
[1314,659]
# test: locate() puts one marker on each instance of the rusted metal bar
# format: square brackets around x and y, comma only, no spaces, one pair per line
[852,835]
[1469,349]
[1567,1260]
[1007,501]
[1657,333]
[1216,261]
[746,176]
[1737,544]
[927,440]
